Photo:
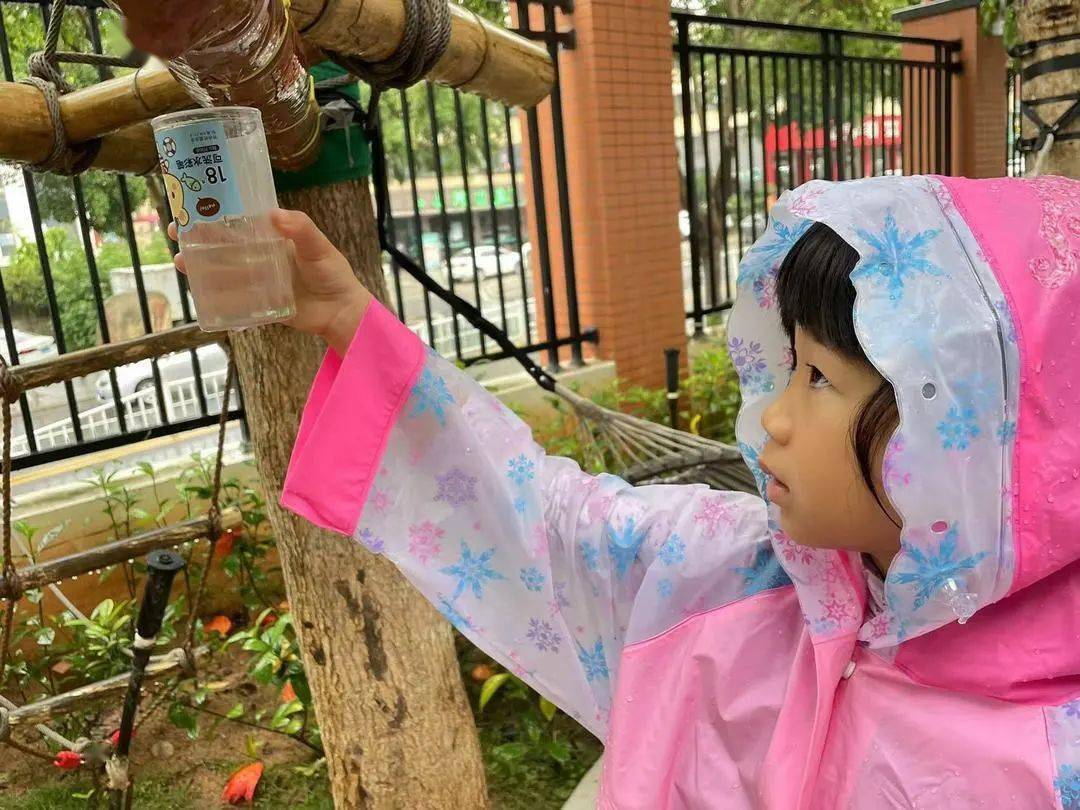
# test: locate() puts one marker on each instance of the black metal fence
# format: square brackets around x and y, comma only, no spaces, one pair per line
[84,259]
[764,107]
[463,192]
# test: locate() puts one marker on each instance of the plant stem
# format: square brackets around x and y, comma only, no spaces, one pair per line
[243,722]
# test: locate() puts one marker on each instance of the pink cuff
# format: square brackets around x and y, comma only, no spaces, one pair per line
[352,406]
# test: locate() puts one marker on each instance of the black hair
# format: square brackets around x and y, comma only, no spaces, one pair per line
[814,291]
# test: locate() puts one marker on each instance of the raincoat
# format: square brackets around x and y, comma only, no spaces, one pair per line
[724,665]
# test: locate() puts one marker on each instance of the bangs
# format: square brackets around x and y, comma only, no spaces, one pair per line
[814,290]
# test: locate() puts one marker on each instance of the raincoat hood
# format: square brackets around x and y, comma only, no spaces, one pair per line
[967,294]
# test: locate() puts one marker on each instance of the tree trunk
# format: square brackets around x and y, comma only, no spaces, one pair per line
[1040,19]
[395,719]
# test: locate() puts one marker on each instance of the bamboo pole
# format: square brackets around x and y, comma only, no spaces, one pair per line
[138,545]
[481,58]
[41,711]
[100,358]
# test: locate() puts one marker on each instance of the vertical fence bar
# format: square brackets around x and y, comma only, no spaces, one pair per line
[540,212]
[708,180]
[410,159]
[789,108]
[573,317]
[470,225]
[751,159]
[516,214]
[762,114]
[725,180]
[735,138]
[494,212]
[691,175]
[828,110]
[433,117]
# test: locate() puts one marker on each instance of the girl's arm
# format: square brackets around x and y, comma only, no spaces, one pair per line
[549,570]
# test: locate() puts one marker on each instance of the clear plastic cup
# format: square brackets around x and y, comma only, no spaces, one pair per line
[221,191]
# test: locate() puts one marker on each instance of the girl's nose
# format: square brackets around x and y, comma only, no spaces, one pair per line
[776,421]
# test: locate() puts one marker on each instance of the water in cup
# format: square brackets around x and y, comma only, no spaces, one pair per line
[220,187]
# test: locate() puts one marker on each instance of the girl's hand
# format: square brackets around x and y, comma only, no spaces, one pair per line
[330,301]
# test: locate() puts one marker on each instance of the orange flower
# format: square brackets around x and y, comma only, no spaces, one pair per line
[224,544]
[288,694]
[218,624]
[481,672]
[68,760]
[241,785]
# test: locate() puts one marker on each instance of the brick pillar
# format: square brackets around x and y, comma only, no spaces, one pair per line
[979,100]
[623,180]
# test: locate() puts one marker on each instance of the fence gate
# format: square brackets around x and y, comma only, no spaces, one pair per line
[764,107]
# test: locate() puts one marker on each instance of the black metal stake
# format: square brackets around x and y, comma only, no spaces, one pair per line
[162,567]
[671,358]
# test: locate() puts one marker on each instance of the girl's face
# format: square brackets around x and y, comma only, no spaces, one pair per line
[814,476]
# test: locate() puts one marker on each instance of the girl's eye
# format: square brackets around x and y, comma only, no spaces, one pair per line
[817,379]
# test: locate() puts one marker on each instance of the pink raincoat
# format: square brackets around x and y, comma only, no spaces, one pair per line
[724,665]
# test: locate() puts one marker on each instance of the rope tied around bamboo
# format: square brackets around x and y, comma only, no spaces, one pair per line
[64,157]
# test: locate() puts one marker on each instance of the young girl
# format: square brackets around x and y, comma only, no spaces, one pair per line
[894,623]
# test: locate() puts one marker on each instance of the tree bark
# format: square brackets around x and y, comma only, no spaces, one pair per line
[396,723]
[1040,19]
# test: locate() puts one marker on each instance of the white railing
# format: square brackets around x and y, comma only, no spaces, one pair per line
[442,329]
[140,413]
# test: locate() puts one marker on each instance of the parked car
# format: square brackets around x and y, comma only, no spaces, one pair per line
[135,377]
[489,261]
[30,347]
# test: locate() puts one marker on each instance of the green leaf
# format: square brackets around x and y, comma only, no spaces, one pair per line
[508,752]
[183,718]
[200,695]
[293,727]
[45,636]
[236,711]
[146,467]
[558,751]
[300,686]
[548,709]
[34,596]
[491,686]
[252,746]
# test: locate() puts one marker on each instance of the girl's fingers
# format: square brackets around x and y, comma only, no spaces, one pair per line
[172,231]
[178,260]
[311,244]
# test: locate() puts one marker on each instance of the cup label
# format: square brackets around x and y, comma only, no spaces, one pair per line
[200,179]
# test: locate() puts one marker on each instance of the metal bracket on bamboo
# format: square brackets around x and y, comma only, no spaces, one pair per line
[101,358]
[118,551]
[40,711]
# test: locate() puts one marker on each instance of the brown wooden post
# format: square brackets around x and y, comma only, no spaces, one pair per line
[396,723]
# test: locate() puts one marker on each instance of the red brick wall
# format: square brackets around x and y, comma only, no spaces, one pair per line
[979,113]
[623,182]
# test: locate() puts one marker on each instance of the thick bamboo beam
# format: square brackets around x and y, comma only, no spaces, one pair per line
[92,559]
[43,710]
[481,58]
[100,358]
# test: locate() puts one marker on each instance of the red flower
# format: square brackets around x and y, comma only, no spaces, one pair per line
[114,738]
[241,785]
[268,619]
[68,760]
[224,544]
[288,694]
[218,624]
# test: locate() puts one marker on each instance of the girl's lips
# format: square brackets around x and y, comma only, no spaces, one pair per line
[776,491]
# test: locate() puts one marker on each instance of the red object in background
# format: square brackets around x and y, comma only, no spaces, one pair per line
[114,738]
[876,145]
[68,760]
[225,544]
[288,694]
[241,785]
